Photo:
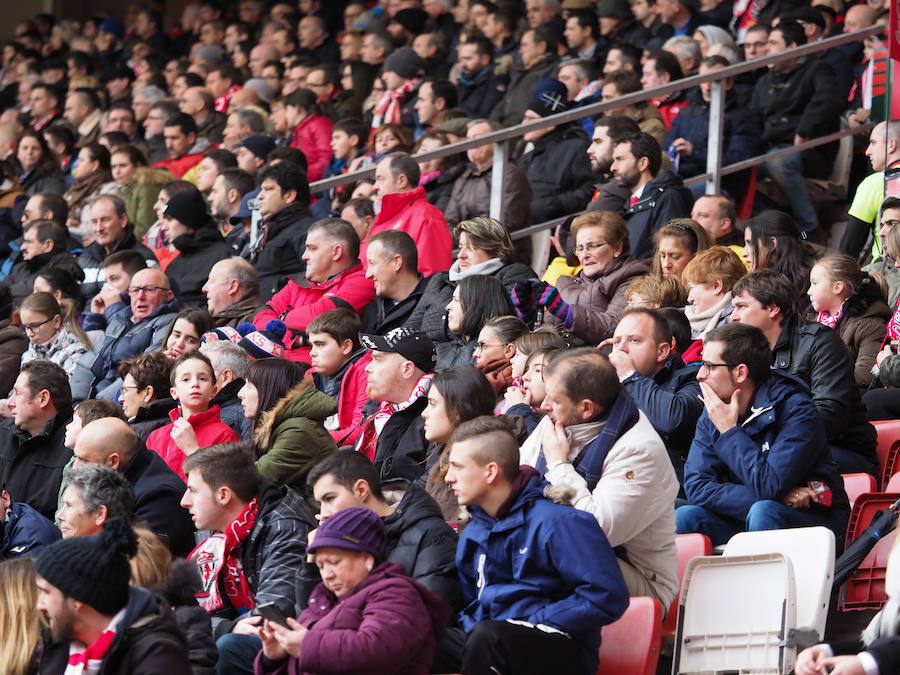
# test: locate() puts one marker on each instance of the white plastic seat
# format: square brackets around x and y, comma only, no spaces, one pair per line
[811,552]
[736,614]
[540,251]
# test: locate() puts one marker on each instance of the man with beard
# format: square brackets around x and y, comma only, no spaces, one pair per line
[596,442]
[480,86]
[225,201]
[96,619]
[610,194]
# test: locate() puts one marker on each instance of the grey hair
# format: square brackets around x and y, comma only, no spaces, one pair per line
[152,94]
[226,355]
[686,47]
[244,273]
[251,118]
[582,67]
[100,485]
[117,202]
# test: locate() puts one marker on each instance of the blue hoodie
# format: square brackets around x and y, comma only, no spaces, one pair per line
[543,563]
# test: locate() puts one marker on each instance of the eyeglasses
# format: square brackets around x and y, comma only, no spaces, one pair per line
[34,327]
[709,365]
[590,247]
[480,346]
[147,290]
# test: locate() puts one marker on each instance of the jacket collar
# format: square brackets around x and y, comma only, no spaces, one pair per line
[392,205]
[209,415]
[527,487]
[334,278]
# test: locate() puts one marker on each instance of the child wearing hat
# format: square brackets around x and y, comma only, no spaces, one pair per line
[195,424]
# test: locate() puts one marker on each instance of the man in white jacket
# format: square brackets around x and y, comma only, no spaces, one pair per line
[594,441]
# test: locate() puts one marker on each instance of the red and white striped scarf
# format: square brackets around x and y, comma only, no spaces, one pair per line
[831,319]
[86,660]
[376,421]
[387,110]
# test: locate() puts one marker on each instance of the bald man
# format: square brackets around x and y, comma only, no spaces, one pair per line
[141,326]
[232,292]
[157,489]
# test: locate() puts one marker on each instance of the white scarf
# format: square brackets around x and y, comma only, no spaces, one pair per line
[701,322]
[486,267]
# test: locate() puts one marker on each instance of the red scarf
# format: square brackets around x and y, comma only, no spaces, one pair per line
[88,660]
[368,440]
[387,110]
[219,563]
[893,326]
[831,319]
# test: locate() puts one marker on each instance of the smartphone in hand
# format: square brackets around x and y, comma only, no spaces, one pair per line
[270,612]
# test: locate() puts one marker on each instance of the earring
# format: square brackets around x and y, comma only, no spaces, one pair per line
[368,567]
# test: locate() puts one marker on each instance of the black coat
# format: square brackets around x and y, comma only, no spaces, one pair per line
[439,189]
[559,172]
[151,417]
[816,355]
[231,412]
[92,257]
[479,95]
[665,197]
[31,466]
[193,621]
[280,255]
[148,642]
[420,540]
[430,315]
[157,500]
[199,251]
[20,282]
[401,448]
[381,315]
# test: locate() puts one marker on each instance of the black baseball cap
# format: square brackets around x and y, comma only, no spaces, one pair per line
[411,344]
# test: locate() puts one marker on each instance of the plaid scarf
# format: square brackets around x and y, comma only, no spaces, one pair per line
[86,660]
[218,560]
[387,110]
[375,423]
[831,319]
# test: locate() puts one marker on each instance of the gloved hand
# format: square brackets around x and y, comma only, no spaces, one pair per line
[522,296]
[553,303]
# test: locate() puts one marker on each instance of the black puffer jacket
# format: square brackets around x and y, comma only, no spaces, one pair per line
[31,466]
[420,540]
[430,315]
[665,197]
[151,417]
[454,353]
[479,95]
[199,251]
[381,315]
[193,621]
[559,172]
[20,282]
[279,256]
[401,447]
[815,354]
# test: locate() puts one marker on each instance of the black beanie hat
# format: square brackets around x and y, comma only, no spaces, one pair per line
[93,569]
[188,207]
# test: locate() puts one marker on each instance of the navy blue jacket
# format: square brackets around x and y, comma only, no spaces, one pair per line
[671,400]
[665,197]
[25,532]
[540,562]
[781,445]
[741,134]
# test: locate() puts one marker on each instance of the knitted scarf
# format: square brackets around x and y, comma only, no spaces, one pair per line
[218,560]
[831,319]
[86,660]
[375,423]
[702,321]
[387,110]
[84,188]
[893,325]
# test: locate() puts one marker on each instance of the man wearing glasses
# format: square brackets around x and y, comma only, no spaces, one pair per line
[141,326]
[760,458]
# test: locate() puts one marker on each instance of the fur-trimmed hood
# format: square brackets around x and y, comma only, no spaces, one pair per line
[146,175]
[304,400]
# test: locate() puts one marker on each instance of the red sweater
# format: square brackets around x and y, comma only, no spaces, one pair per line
[411,212]
[209,429]
[297,305]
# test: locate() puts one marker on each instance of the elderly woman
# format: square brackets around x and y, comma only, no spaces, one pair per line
[485,248]
[367,615]
[589,303]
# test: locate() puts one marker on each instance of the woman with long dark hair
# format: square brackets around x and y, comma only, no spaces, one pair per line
[288,414]
[184,336]
[39,169]
[475,301]
[92,177]
[772,242]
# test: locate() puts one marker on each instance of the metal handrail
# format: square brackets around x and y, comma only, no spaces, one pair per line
[720,75]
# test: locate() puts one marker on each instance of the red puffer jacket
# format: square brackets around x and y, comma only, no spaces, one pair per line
[207,425]
[313,137]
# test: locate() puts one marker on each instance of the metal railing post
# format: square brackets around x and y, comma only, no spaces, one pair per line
[716,138]
[497,171]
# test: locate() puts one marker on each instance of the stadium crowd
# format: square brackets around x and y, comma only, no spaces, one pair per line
[255,427]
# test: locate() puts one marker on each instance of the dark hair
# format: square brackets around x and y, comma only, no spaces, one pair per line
[498,442]
[237,179]
[397,242]
[466,392]
[363,77]
[56,204]
[743,343]
[130,260]
[198,317]
[273,378]
[62,133]
[135,155]
[99,153]
[303,99]
[769,288]
[586,19]
[63,280]
[286,154]
[94,409]
[791,31]
[197,356]
[288,177]
[48,165]
[662,331]
[644,145]
[625,82]
[790,255]
[230,465]
[481,298]
[585,373]
[184,122]
[99,485]
[630,53]
[353,127]
[666,62]
[483,46]
[402,164]
[191,80]
[679,325]
[223,159]
[47,375]
[341,324]
[346,467]
[545,35]
[444,89]
[150,369]
[48,230]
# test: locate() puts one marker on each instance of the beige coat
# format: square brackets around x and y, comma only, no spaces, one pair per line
[634,500]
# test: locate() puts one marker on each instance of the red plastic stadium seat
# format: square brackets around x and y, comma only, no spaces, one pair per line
[865,589]
[856,484]
[893,485]
[631,644]
[888,435]
[688,546]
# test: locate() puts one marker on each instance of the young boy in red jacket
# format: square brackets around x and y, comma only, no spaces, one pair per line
[194,424]
[339,364]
